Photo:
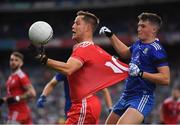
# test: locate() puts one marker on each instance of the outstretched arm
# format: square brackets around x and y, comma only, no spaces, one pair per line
[67,68]
[118,45]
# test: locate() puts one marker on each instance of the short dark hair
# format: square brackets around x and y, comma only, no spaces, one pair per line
[152,17]
[18,54]
[90,18]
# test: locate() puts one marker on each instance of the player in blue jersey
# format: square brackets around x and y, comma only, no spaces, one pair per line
[148,67]
[52,83]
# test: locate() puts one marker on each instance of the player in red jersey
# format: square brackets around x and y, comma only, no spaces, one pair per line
[19,90]
[89,69]
[170,108]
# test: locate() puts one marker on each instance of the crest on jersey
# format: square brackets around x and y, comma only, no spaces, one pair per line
[145,50]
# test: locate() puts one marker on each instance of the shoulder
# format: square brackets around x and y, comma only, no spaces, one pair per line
[82,45]
[20,74]
[168,100]
[157,50]
[156,45]
[135,45]
[83,49]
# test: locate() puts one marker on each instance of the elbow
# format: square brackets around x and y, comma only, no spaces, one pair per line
[68,72]
[71,70]
[124,54]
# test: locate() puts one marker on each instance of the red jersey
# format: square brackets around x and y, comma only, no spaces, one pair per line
[99,70]
[171,111]
[15,86]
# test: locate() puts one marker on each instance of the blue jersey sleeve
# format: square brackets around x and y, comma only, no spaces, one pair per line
[159,57]
[60,77]
[133,46]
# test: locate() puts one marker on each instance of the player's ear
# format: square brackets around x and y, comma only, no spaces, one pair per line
[21,63]
[89,27]
[155,29]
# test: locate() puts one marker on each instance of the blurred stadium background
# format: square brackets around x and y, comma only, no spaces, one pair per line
[16,16]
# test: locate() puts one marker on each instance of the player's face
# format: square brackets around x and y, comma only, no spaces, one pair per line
[146,30]
[15,62]
[78,29]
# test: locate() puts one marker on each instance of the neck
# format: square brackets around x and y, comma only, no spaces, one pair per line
[88,39]
[150,40]
[14,70]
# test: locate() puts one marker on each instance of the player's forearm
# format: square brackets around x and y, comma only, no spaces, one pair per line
[48,89]
[120,47]
[157,78]
[29,94]
[59,66]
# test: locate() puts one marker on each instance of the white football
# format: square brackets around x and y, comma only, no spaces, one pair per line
[40,32]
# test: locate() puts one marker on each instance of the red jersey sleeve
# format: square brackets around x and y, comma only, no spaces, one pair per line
[79,54]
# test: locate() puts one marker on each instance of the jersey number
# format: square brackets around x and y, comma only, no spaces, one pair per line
[115,66]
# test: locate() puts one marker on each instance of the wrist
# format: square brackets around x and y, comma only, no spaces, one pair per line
[44,60]
[110,109]
[109,34]
[141,73]
[17,98]
[43,96]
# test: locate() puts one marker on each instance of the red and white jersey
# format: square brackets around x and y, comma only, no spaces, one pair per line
[15,86]
[99,70]
[171,111]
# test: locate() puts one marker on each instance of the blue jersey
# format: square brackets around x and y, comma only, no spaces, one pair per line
[60,77]
[148,57]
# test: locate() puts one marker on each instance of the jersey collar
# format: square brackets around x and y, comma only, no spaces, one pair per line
[83,44]
[17,71]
